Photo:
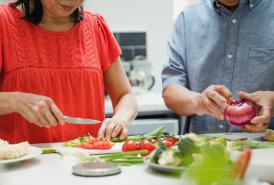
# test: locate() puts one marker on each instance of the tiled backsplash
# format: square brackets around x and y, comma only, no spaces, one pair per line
[132,44]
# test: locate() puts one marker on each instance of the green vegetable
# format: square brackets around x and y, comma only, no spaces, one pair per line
[170,157]
[49,151]
[123,158]
[129,161]
[213,167]
[239,145]
[157,132]
[117,155]
[154,134]
[154,157]
[219,140]
[187,147]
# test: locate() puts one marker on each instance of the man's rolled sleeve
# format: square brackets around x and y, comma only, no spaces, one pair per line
[175,72]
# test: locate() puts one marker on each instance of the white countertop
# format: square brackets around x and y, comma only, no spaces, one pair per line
[147,102]
[51,169]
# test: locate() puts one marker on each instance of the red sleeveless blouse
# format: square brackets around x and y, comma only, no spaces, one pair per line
[65,66]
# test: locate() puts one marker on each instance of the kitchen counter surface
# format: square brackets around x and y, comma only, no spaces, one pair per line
[51,169]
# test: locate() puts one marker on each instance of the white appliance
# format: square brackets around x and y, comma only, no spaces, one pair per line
[152,114]
[144,126]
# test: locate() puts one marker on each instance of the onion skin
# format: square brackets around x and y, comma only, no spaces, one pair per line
[240,112]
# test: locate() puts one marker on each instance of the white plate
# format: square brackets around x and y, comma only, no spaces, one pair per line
[262,164]
[165,169]
[74,150]
[33,152]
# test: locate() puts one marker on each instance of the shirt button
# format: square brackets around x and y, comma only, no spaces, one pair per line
[229,56]
[251,5]
[221,127]
[234,21]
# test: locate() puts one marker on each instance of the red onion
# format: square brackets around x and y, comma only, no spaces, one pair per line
[240,112]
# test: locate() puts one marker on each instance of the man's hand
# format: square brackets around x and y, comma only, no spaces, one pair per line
[264,101]
[213,100]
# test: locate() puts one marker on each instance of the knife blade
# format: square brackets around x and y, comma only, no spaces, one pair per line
[80,121]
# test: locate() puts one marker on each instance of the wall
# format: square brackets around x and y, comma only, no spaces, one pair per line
[154,16]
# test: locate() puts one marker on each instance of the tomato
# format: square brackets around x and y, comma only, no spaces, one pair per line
[96,143]
[93,140]
[86,145]
[147,145]
[169,142]
[103,145]
[106,145]
[130,146]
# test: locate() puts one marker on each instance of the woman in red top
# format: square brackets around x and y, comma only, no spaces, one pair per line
[55,60]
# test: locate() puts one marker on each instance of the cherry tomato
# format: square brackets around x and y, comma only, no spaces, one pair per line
[168,143]
[147,145]
[130,146]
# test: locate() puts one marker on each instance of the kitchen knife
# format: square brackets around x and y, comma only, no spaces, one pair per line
[80,121]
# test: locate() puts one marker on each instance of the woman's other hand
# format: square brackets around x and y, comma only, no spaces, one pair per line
[112,127]
[265,103]
[39,110]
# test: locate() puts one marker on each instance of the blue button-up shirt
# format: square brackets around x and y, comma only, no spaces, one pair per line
[212,45]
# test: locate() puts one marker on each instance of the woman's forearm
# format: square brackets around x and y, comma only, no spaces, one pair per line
[126,109]
[7,100]
[181,100]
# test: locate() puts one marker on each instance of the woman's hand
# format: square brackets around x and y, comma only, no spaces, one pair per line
[111,127]
[265,105]
[212,101]
[39,110]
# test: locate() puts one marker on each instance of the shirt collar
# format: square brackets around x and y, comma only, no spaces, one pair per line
[251,3]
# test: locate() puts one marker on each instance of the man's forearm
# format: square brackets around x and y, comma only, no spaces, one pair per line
[180,100]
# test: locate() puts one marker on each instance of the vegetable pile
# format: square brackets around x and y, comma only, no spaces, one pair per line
[149,141]
[89,142]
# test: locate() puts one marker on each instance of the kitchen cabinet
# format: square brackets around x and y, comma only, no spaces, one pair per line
[152,114]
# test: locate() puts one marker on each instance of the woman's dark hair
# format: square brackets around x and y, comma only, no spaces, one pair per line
[35,15]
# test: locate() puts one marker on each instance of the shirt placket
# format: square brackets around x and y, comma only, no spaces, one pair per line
[229,62]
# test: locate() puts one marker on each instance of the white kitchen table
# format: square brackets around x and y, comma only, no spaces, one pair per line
[51,169]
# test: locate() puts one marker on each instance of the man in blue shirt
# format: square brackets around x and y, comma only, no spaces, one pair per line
[219,48]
